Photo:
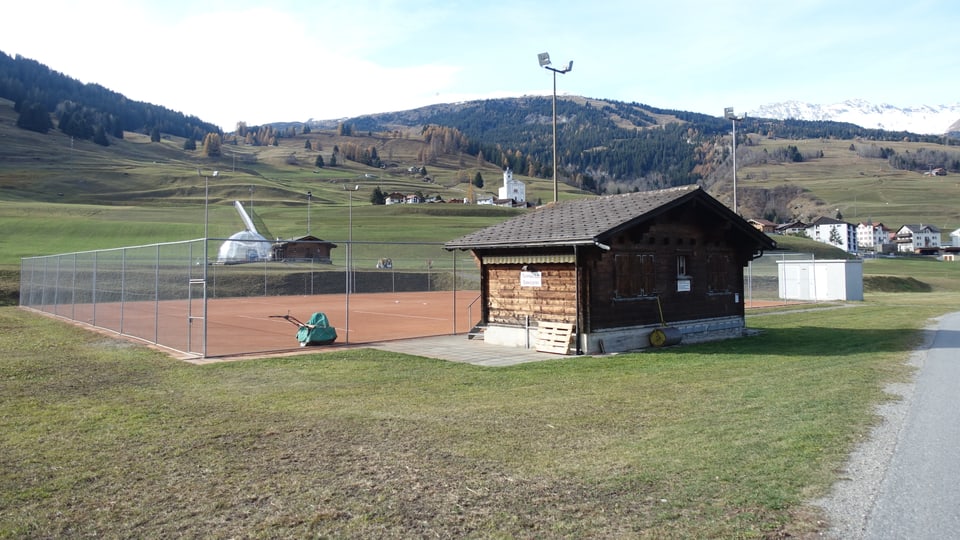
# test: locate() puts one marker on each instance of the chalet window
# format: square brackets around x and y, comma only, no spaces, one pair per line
[717,265]
[635,275]
[681,265]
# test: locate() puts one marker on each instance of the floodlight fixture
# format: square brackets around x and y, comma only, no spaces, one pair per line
[544,59]
[206,198]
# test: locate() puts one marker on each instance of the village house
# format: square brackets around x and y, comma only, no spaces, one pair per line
[952,252]
[918,238]
[793,228]
[834,232]
[763,225]
[615,270]
[395,198]
[872,236]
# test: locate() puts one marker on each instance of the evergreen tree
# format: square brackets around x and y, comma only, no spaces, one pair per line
[835,238]
[34,117]
[116,127]
[100,136]
[73,123]
[319,161]
[190,144]
[155,134]
[378,196]
[478,180]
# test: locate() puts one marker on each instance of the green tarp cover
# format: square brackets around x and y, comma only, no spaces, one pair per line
[317,330]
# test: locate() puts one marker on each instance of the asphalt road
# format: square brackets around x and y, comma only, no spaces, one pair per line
[919,492]
[902,483]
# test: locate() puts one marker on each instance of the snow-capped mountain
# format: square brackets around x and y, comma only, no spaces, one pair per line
[924,119]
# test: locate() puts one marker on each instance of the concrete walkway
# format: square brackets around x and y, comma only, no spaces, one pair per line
[458,348]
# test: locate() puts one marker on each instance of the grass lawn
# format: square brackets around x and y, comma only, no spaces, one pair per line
[728,439]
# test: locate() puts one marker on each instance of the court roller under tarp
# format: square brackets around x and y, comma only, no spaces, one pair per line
[316,331]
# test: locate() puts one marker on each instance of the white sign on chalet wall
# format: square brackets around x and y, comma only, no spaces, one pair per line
[530,279]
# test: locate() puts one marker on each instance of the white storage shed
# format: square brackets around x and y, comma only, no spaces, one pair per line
[828,279]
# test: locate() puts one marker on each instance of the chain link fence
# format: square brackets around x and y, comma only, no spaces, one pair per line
[762,285]
[165,294]
[182,297]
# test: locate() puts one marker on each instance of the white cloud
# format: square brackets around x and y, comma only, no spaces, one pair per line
[232,60]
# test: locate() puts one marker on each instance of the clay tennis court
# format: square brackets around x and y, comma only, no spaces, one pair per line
[253,325]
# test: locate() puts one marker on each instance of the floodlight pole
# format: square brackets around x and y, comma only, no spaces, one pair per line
[728,113]
[349,284]
[309,198]
[206,245]
[544,59]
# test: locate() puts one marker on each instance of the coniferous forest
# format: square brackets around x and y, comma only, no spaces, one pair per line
[85,111]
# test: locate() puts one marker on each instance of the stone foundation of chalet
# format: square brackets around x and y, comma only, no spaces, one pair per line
[622,339]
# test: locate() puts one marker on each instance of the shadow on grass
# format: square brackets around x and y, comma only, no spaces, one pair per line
[827,341]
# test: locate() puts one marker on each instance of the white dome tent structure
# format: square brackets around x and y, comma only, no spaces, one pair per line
[245,246]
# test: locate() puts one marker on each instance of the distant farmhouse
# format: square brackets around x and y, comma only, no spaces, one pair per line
[615,269]
[796,228]
[303,249]
[763,225]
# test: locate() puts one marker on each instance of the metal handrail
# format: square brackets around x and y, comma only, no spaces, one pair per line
[470,310]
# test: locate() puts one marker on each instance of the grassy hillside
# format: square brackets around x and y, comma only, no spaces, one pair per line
[61,195]
[860,188]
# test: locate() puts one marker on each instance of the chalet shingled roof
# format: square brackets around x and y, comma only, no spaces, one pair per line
[586,221]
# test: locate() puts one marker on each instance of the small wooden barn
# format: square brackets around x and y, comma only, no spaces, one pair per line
[615,269]
[305,248]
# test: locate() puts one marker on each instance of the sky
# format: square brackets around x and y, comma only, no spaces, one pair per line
[227,61]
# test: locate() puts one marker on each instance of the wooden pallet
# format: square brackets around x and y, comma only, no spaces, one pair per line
[553,337]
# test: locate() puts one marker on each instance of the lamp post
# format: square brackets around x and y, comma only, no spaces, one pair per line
[544,59]
[728,114]
[349,255]
[309,198]
[206,247]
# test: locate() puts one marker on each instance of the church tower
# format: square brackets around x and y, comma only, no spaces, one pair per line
[512,189]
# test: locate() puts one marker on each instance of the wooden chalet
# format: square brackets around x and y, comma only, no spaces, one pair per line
[303,249]
[614,269]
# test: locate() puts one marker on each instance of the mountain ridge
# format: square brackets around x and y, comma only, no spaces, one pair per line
[921,119]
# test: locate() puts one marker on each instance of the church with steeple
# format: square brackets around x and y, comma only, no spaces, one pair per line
[513,189]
